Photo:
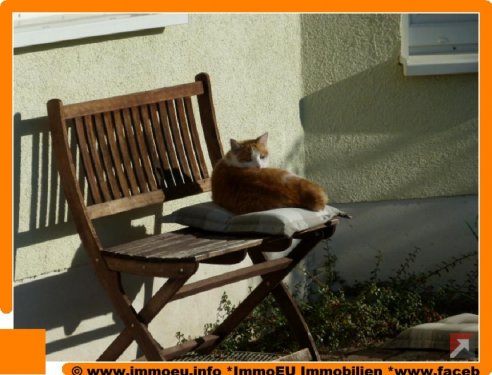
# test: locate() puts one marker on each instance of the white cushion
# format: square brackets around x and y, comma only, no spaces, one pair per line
[281,221]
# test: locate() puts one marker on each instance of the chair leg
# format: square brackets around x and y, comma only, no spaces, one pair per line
[296,320]
[291,311]
[268,284]
[136,324]
[124,309]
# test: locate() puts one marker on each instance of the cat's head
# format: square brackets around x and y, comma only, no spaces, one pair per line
[252,153]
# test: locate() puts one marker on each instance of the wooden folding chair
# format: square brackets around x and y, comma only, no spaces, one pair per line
[109,154]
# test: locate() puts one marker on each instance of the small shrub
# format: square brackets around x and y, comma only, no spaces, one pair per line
[356,315]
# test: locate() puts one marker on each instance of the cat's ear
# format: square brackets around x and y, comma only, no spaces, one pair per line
[262,139]
[235,144]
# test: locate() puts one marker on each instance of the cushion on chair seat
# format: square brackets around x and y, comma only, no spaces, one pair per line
[281,221]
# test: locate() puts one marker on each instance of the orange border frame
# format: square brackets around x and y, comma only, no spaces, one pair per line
[23,351]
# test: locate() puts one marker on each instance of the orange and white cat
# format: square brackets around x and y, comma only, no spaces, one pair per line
[242,182]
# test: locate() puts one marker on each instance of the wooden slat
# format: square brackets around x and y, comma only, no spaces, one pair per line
[106,157]
[193,242]
[150,137]
[171,151]
[71,187]
[135,155]
[175,248]
[209,122]
[178,142]
[92,140]
[167,176]
[86,160]
[115,155]
[79,170]
[125,204]
[188,189]
[144,268]
[153,247]
[195,138]
[160,246]
[232,277]
[131,100]
[135,248]
[142,146]
[185,135]
[217,246]
[125,153]
[189,247]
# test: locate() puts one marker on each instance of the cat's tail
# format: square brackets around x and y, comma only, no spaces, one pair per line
[314,198]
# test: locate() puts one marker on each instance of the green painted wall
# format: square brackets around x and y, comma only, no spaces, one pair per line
[370,132]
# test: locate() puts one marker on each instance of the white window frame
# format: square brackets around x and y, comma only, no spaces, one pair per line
[445,46]
[41,28]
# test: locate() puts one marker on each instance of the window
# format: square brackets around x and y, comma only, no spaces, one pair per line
[40,28]
[439,43]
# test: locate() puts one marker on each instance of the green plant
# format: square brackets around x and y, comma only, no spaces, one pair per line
[376,309]
[340,315]
[256,331]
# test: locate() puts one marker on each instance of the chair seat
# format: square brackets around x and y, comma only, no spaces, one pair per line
[191,245]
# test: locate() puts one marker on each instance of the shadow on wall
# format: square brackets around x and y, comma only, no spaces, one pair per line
[88,40]
[36,186]
[437,230]
[67,298]
[379,135]
[40,210]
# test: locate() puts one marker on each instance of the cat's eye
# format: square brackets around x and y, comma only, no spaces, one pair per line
[262,157]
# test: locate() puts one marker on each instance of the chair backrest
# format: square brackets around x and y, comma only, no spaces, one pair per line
[130,151]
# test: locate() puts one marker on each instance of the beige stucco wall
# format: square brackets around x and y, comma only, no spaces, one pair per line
[329,90]
[255,67]
[256,85]
[373,134]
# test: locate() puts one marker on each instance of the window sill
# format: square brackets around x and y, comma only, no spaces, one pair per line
[43,28]
[439,64]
